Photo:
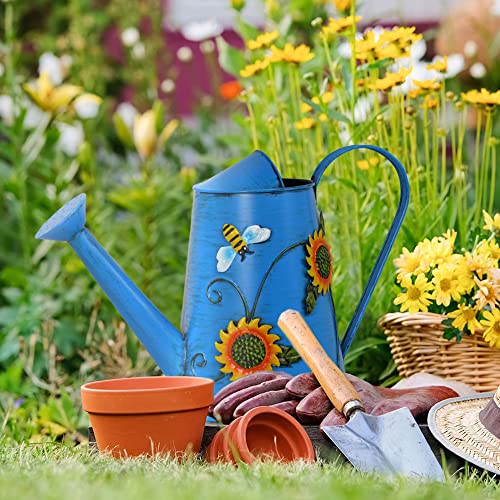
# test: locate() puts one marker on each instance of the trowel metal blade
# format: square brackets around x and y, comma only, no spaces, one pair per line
[387,444]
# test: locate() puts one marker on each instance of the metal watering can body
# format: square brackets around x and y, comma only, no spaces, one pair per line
[257,247]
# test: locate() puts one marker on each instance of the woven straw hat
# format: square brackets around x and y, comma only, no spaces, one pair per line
[470,428]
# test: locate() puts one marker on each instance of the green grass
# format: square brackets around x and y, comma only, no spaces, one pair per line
[53,471]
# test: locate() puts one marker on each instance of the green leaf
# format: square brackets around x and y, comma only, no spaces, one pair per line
[247,31]
[231,60]
[122,131]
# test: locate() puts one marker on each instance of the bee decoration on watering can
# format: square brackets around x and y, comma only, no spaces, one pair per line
[238,244]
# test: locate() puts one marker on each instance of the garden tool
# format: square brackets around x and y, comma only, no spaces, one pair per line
[257,247]
[386,444]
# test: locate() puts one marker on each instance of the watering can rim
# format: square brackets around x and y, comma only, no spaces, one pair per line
[299,185]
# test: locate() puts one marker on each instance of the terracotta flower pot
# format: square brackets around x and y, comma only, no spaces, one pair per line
[148,415]
[263,431]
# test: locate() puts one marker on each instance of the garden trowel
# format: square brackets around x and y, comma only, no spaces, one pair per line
[386,444]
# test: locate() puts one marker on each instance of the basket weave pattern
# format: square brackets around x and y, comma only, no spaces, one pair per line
[417,345]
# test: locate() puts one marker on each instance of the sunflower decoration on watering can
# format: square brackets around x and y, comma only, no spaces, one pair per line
[320,268]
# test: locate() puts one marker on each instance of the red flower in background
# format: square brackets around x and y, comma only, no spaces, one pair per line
[230,90]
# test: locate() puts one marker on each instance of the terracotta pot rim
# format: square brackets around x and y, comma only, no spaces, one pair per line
[301,443]
[177,395]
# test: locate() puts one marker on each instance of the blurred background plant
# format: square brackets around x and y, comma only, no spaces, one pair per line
[88,103]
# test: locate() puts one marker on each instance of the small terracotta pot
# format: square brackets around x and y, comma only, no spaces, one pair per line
[148,415]
[263,431]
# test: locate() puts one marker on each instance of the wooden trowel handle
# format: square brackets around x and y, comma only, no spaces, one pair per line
[333,381]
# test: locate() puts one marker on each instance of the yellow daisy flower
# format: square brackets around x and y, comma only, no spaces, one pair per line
[254,68]
[367,163]
[447,285]
[323,99]
[465,316]
[335,26]
[417,296]
[402,36]
[390,80]
[262,41]
[291,54]
[304,107]
[304,124]
[342,5]
[247,348]
[430,102]
[482,98]
[491,223]
[491,322]
[428,85]
[440,65]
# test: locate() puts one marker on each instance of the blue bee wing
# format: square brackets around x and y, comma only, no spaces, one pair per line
[225,257]
[256,234]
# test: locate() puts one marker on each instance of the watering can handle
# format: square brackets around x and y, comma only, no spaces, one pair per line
[389,240]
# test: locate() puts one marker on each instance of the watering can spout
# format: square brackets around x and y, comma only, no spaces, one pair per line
[161,339]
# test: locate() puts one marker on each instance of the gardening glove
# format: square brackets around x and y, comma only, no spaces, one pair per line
[250,391]
[315,407]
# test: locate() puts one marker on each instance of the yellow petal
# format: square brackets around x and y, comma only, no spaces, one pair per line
[242,322]
[145,137]
[167,132]
[62,96]
[231,327]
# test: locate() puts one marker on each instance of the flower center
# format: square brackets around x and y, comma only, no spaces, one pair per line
[469,314]
[413,293]
[323,262]
[445,284]
[496,327]
[248,350]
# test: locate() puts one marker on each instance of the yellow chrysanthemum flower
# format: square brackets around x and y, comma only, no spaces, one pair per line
[440,65]
[479,263]
[428,85]
[323,117]
[491,322]
[488,293]
[390,80]
[417,296]
[50,98]
[491,223]
[447,285]
[291,54]
[262,41]
[247,348]
[323,99]
[336,26]
[482,98]
[438,250]
[465,316]
[490,249]
[304,124]
[410,263]
[254,68]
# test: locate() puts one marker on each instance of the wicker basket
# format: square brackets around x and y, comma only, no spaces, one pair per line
[417,345]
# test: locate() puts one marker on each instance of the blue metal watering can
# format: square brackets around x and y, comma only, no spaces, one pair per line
[257,247]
